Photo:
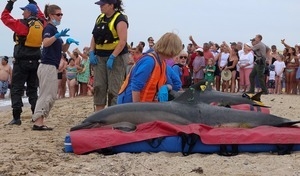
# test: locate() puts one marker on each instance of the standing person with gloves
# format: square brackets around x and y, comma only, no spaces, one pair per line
[53,46]
[109,52]
[27,53]
[148,80]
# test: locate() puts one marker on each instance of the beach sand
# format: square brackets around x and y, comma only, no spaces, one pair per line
[27,152]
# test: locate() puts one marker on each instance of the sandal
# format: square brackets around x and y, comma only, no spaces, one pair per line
[41,128]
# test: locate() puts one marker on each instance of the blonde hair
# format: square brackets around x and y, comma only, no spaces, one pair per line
[169,45]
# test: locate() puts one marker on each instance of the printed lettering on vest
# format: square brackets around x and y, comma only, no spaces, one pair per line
[34,36]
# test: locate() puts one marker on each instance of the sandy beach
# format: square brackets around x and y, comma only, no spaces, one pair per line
[27,152]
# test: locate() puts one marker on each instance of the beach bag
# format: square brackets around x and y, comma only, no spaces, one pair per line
[298,73]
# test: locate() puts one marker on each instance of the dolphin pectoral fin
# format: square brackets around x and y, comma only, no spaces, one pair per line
[83,125]
[256,97]
[124,126]
[287,124]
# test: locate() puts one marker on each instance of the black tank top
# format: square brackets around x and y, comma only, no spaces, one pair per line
[229,63]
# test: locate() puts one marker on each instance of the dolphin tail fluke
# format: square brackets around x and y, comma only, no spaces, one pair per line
[256,97]
[288,124]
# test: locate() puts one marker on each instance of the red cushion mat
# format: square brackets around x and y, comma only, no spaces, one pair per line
[87,140]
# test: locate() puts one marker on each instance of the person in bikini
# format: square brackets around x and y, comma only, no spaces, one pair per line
[71,77]
[5,76]
[292,63]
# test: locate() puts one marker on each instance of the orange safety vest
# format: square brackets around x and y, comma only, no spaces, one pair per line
[157,79]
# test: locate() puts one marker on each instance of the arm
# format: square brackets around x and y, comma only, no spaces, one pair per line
[193,41]
[48,40]
[296,61]
[211,70]
[174,82]
[92,44]
[83,55]
[10,74]
[140,76]
[136,96]
[70,54]
[122,33]
[233,64]
[15,25]
[285,45]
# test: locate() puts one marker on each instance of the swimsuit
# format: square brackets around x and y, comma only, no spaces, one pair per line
[71,73]
[229,63]
[3,87]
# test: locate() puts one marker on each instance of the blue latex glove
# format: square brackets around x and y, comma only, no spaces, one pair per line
[163,93]
[70,40]
[63,33]
[93,58]
[110,61]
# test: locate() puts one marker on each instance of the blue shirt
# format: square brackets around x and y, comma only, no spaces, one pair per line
[177,70]
[139,76]
[51,55]
[173,79]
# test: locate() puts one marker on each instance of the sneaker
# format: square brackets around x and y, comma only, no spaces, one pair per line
[15,122]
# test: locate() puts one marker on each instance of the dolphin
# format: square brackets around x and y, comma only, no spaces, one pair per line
[186,109]
[201,93]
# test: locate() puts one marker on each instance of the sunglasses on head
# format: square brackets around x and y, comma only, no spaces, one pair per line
[183,57]
[59,14]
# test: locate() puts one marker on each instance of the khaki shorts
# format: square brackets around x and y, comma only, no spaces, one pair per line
[107,83]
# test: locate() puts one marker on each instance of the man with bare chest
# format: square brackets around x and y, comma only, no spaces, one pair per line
[5,76]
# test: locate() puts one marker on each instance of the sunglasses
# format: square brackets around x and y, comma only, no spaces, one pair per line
[183,57]
[59,14]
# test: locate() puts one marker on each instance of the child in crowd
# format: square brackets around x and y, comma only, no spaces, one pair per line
[71,77]
[271,79]
[279,68]
[198,66]
[209,72]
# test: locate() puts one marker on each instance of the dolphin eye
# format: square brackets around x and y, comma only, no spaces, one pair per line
[245,96]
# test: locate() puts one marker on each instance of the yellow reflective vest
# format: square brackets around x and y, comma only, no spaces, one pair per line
[106,43]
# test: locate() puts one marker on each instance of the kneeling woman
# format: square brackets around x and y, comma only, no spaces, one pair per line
[148,80]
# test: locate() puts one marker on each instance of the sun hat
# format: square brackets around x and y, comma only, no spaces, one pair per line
[249,44]
[199,49]
[226,75]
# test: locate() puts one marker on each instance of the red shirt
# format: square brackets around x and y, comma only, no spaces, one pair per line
[192,58]
[207,54]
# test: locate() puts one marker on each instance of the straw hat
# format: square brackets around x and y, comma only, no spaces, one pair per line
[226,75]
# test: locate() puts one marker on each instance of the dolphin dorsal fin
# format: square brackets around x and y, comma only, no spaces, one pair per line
[192,94]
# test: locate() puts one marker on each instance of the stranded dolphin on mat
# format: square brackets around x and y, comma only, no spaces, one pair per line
[221,98]
[185,109]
